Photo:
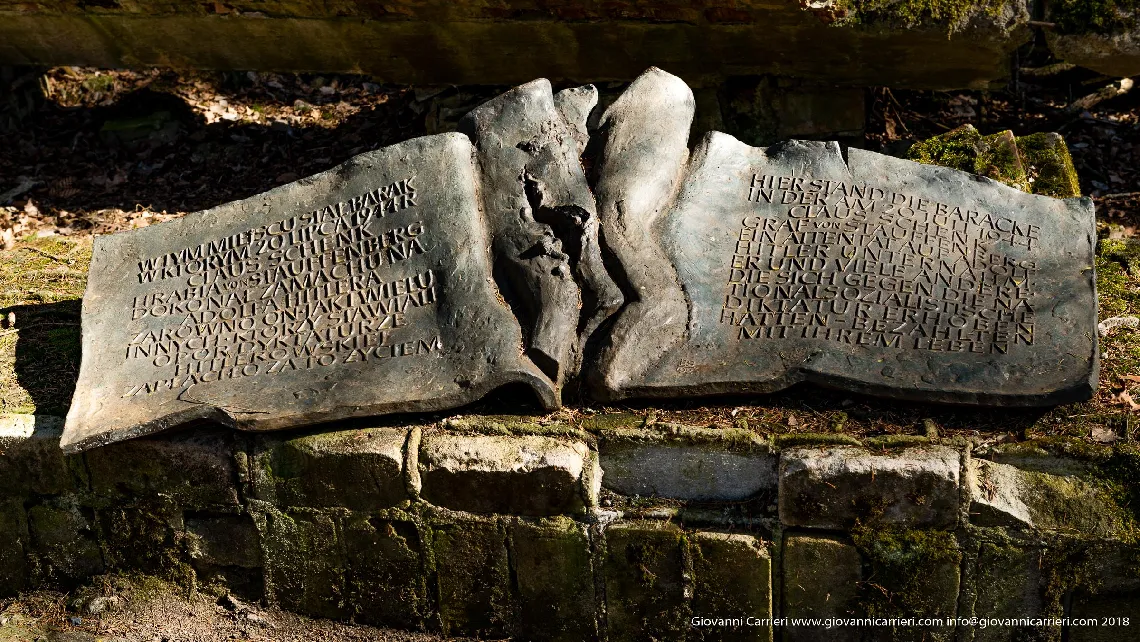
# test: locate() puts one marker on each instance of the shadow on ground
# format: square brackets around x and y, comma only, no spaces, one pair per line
[48,353]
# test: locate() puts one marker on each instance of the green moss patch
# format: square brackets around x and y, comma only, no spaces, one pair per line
[41,283]
[908,572]
[950,15]
[1112,470]
[1048,165]
[1093,16]
[1037,163]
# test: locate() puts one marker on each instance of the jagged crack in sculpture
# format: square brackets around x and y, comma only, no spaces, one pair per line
[543,217]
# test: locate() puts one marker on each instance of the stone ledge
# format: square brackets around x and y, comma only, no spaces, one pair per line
[837,487]
[361,469]
[521,475]
[687,463]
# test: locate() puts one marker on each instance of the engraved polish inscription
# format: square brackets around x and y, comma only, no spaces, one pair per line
[860,264]
[336,285]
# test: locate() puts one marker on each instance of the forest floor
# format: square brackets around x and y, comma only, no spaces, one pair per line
[144,609]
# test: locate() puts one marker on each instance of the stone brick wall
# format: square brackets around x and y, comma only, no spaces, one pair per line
[607,528]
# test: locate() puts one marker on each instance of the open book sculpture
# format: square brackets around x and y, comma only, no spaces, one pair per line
[423,275]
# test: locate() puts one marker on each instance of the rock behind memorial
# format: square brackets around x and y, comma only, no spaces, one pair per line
[363,290]
[867,273]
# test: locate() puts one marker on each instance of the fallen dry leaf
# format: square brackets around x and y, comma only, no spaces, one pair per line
[1124,398]
[1103,435]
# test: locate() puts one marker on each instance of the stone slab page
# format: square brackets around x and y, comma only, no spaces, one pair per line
[362,290]
[869,273]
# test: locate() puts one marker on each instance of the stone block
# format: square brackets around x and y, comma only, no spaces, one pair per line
[386,577]
[13,540]
[304,561]
[1008,582]
[1110,594]
[835,487]
[355,469]
[1005,495]
[519,475]
[196,468]
[474,578]
[1113,54]
[64,542]
[1117,616]
[716,470]
[555,574]
[910,574]
[733,580]
[225,551]
[821,580]
[644,579]
[223,540]
[145,537]
[31,462]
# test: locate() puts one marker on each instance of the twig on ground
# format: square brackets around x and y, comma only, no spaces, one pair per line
[1108,92]
[49,255]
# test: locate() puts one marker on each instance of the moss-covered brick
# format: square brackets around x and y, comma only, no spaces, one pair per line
[1069,499]
[223,540]
[910,574]
[956,149]
[1008,583]
[682,462]
[386,576]
[196,468]
[732,579]
[356,469]
[840,486]
[473,576]
[1048,165]
[519,475]
[304,560]
[13,540]
[147,537]
[1112,595]
[63,542]
[31,462]
[822,576]
[644,579]
[225,551]
[555,577]
[1038,163]
[998,158]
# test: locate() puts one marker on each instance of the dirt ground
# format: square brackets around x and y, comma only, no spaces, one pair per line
[120,609]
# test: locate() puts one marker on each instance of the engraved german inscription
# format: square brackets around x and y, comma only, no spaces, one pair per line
[861,264]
